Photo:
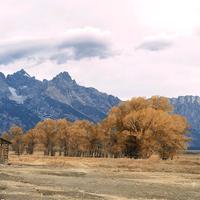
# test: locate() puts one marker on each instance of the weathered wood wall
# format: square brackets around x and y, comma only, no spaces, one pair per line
[4,149]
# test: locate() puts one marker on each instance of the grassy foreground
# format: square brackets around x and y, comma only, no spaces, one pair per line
[38,177]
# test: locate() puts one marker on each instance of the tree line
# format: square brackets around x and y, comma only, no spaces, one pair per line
[136,128]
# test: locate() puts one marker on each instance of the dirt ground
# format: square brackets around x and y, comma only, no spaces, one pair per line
[37,177]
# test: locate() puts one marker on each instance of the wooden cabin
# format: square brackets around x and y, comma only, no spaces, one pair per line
[4,149]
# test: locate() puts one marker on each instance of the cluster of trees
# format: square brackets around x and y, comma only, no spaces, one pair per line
[137,128]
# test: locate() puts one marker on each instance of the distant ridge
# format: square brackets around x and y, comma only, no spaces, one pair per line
[189,106]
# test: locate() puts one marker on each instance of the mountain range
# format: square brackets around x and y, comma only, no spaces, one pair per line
[25,101]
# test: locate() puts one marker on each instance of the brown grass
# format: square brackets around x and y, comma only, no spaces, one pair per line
[186,163]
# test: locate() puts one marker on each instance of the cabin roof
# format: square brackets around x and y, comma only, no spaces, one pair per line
[4,140]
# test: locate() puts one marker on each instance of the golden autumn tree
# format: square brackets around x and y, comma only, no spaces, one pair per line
[112,140]
[177,129]
[150,127]
[30,140]
[91,137]
[160,103]
[79,142]
[16,134]
[47,133]
[63,136]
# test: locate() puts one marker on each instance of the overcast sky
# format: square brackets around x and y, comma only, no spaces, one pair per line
[123,47]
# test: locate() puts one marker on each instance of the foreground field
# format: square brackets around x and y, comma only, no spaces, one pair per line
[37,177]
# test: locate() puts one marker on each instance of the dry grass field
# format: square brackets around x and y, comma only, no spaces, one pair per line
[38,177]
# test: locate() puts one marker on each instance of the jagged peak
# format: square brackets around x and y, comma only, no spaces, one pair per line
[63,76]
[21,72]
[2,76]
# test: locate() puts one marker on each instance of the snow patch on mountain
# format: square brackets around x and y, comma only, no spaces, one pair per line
[15,97]
[27,75]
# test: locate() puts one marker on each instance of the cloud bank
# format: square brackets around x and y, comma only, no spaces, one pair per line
[75,44]
[156,43]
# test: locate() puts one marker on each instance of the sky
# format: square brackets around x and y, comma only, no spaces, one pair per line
[126,48]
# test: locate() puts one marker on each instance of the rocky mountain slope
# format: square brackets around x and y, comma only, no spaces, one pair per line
[189,106]
[25,100]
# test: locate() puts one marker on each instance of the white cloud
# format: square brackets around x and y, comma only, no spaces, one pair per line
[156,43]
[74,44]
